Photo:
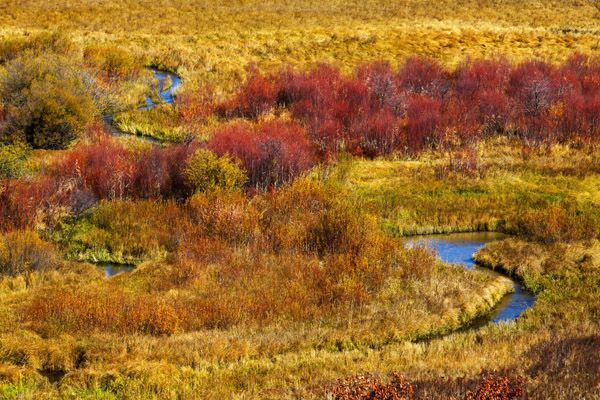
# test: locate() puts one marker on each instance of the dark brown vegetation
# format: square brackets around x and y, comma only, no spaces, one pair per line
[370,387]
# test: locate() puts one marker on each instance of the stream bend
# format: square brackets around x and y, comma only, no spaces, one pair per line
[459,248]
[452,248]
[165,91]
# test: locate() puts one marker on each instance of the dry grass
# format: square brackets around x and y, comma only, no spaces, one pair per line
[410,197]
[216,41]
[290,358]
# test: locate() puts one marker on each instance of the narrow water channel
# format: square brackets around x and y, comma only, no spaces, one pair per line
[111,269]
[164,91]
[459,248]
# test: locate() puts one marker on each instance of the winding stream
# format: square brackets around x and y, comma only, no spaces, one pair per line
[454,248]
[165,93]
[459,248]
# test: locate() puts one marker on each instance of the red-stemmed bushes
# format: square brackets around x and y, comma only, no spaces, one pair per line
[380,110]
[112,169]
[272,152]
[254,98]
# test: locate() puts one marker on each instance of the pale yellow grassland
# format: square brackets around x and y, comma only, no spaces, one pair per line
[215,41]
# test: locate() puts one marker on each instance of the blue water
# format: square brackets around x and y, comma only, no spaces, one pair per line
[459,248]
[165,94]
[112,269]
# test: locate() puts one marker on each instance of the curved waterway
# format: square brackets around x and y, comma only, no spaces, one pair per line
[165,91]
[459,248]
[112,269]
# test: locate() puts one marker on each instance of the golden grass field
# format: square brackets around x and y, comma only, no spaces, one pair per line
[216,41]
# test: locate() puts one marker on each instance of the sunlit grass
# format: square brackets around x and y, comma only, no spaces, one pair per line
[409,198]
[216,41]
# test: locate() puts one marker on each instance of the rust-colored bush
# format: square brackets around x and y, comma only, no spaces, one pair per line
[496,388]
[373,387]
[273,153]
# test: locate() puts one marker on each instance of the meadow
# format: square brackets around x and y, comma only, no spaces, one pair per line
[309,139]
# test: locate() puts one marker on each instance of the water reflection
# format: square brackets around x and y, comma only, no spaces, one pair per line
[112,269]
[165,94]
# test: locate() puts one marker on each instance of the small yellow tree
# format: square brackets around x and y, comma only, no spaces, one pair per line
[205,172]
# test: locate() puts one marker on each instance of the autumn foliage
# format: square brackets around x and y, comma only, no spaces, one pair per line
[381,110]
[307,255]
[373,387]
[272,152]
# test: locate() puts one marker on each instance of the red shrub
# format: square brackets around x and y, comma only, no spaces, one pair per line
[315,86]
[381,133]
[580,98]
[534,86]
[483,106]
[422,75]
[254,98]
[424,117]
[383,85]
[106,167]
[113,170]
[195,106]
[472,78]
[273,153]
[379,111]
[30,202]
[160,172]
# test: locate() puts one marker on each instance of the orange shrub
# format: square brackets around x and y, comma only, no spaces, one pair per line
[373,387]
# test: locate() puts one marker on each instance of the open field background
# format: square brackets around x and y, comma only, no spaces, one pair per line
[215,41]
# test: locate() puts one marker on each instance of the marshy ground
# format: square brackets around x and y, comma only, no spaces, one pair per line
[267,222]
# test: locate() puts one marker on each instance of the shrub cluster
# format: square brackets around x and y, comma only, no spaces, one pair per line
[33,202]
[24,251]
[103,168]
[298,254]
[49,93]
[272,152]
[205,172]
[112,169]
[47,102]
[380,110]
